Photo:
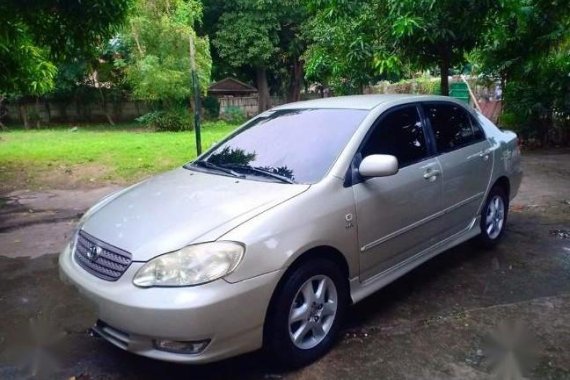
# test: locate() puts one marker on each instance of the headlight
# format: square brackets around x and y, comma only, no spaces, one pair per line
[192,265]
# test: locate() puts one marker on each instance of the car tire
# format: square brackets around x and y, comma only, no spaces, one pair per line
[292,343]
[493,218]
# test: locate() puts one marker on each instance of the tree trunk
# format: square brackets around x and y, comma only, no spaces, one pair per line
[294,93]
[444,69]
[264,101]
[3,112]
[24,115]
[48,110]
[37,113]
[104,106]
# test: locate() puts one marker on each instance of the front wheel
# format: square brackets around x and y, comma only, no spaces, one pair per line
[494,218]
[306,313]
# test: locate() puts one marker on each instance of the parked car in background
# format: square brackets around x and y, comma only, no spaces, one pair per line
[268,237]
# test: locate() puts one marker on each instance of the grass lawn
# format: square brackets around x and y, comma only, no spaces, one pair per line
[95,155]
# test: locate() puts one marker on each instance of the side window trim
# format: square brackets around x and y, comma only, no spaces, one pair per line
[428,131]
[476,125]
[353,178]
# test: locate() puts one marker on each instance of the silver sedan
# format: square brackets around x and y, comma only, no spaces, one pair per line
[268,237]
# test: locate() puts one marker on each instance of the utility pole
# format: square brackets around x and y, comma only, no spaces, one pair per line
[196,87]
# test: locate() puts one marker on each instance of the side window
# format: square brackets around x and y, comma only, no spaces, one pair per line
[451,126]
[400,134]
[477,129]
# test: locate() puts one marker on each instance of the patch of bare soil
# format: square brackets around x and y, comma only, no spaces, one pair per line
[69,177]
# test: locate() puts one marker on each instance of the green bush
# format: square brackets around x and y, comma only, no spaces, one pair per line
[171,120]
[211,106]
[234,115]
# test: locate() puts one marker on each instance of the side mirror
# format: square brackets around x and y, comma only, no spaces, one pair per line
[378,165]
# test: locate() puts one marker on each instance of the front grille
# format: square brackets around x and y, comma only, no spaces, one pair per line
[99,258]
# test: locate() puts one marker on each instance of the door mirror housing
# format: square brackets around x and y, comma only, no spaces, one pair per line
[378,165]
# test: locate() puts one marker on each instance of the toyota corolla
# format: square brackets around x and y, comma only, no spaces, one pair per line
[266,239]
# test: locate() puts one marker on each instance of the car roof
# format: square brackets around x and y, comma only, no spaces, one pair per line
[363,102]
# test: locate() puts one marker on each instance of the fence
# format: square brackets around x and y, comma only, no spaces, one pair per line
[41,112]
[74,112]
[248,104]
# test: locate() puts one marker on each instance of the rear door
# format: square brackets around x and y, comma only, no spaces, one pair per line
[465,159]
[395,214]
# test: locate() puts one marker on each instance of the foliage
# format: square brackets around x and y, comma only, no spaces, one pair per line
[172,120]
[37,35]
[159,40]
[527,48]
[538,105]
[211,106]
[25,68]
[343,40]
[439,32]
[424,85]
[233,115]
[354,41]
[247,33]
[261,38]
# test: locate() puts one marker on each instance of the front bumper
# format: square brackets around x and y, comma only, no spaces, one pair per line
[230,315]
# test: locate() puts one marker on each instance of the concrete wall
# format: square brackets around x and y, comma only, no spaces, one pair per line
[53,112]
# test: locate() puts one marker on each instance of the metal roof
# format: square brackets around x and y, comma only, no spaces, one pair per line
[231,85]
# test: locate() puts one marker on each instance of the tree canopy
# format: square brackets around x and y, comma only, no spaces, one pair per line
[262,35]
[158,38]
[106,49]
[38,35]
[354,41]
[527,47]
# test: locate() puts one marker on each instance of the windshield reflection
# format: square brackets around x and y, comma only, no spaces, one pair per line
[288,145]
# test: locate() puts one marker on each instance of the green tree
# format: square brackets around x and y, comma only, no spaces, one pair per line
[527,47]
[247,36]
[38,35]
[355,40]
[343,41]
[262,38]
[440,32]
[86,80]
[158,36]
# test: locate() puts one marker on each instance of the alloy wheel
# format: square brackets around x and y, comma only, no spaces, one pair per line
[495,217]
[313,312]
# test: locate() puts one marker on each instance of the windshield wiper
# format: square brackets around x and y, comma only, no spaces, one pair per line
[212,166]
[261,171]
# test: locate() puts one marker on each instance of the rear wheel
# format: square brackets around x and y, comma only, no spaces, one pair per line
[306,313]
[494,217]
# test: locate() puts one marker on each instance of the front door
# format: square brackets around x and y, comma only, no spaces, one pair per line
[396,214]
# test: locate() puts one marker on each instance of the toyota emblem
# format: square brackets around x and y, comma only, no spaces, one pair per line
[93,252]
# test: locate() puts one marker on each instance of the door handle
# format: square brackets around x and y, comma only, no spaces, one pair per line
[431,174]
[485,154]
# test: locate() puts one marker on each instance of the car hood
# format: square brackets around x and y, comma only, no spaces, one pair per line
[177,208]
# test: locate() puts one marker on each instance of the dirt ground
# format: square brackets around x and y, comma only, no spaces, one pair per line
[444,320]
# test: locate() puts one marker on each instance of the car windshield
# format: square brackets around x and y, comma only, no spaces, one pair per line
[294,146]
